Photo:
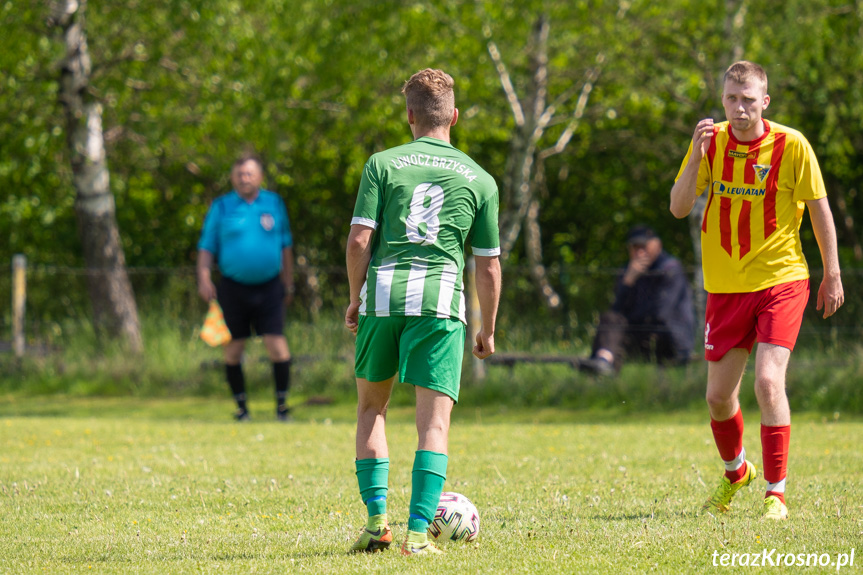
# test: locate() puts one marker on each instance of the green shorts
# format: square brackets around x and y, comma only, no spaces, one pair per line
[424,351]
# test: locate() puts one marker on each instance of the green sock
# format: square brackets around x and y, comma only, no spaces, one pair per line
[429,475]
[372,476]
[376,506]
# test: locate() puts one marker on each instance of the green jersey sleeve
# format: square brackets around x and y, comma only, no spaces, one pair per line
[485,236]
[370,200]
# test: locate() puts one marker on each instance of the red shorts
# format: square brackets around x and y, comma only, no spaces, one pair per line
[771,315]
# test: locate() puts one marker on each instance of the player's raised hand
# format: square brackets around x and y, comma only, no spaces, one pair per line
[831,295]
[701,137]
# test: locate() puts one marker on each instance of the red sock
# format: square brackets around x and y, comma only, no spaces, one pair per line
[780,495]
[728,435]
[774,448]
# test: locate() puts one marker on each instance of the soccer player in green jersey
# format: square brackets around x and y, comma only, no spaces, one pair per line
[417,208]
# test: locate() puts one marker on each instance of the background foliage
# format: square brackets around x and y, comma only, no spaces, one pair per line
[314,85]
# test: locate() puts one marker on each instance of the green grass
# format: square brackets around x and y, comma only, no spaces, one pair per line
[177,363]
[172,486]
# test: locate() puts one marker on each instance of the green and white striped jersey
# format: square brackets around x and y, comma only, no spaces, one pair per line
[425,200]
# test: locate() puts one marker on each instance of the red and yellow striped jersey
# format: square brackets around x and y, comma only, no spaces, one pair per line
[750,235]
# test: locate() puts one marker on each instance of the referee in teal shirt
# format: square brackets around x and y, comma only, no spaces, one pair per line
[248,234]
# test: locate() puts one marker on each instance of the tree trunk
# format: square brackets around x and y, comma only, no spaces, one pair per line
[114,310]
[525,170]
[519,188]
[520,183]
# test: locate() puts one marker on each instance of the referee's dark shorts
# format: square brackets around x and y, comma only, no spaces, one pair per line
[246,306]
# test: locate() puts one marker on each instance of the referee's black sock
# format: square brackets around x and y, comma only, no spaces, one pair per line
[238,384]
[282,375]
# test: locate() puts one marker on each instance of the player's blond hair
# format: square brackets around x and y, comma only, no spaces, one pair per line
[740,72]
[429,94]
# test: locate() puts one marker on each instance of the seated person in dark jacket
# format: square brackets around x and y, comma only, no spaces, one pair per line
[652,317]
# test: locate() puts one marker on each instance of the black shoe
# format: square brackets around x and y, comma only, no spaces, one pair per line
[283,414]
[242,415]
[596,365]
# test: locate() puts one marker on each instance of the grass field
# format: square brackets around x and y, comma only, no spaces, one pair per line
[160,486]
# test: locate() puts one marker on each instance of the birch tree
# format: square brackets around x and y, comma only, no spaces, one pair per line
[525,170]
[114,310]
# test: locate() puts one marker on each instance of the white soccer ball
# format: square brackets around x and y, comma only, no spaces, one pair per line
[456,519]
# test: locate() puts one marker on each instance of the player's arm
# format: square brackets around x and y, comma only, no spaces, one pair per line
[684,191]
[208,247]
[831,296]
[358,255]
[206,288]
[488,280]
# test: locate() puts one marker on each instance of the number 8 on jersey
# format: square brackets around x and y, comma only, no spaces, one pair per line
[422,214]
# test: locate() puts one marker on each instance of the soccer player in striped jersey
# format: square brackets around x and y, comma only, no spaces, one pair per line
[760,177]
[419,205]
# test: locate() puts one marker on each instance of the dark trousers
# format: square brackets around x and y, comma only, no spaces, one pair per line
[640,341]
